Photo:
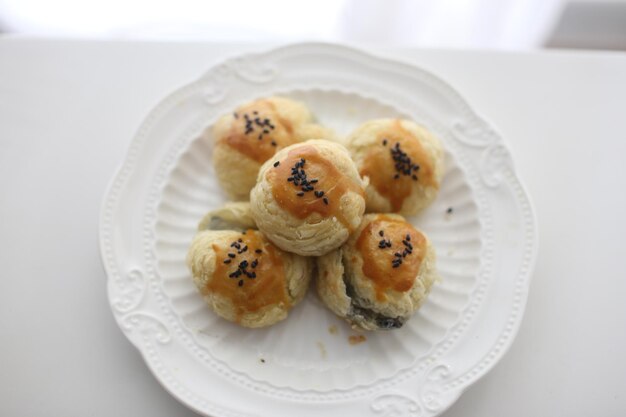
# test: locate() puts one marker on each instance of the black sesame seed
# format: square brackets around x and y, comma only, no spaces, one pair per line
[381,233]
[251,274]
[289,179]
[240,283]
[449,211]
[403,163]
[384,142]
[395,177]
[408,237]
[389,243]
[227,261]
[260,136]
[274,143]
[300,194]
[258,251]
[397,255]
[314,181]
[254,263]
[231,255]
[243,264]
[276,164]
[395,265]
[266,131]
[318,194]
[325,199]
[240,239]
[235,274]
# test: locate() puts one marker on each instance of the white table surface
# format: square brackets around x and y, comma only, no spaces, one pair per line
[68,110]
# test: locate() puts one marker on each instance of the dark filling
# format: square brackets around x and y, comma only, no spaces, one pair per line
[224,223]
[218,223]
[359,313]
[381,321]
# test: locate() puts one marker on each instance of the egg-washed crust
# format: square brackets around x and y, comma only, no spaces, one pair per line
[236,171]
[220,228]
[372,134]
[313,235]
[344,288]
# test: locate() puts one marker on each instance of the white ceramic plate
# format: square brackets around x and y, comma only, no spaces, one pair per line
[305,365]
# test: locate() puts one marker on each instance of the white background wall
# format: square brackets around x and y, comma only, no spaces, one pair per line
[495,24]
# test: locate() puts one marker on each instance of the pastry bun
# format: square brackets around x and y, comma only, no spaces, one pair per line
[242,276]
[380,276]
[402,161]
[308,198]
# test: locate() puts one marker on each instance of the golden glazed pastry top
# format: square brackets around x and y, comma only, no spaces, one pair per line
[246,279]
[250,272]
[402,161]
[308,198]
[258,130]
[392,251]
[396,163]
[305,182]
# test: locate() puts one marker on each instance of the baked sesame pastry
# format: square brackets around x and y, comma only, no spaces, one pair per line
[308,198]
[403,161]
[246,138]
[242,276]
[380,276]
